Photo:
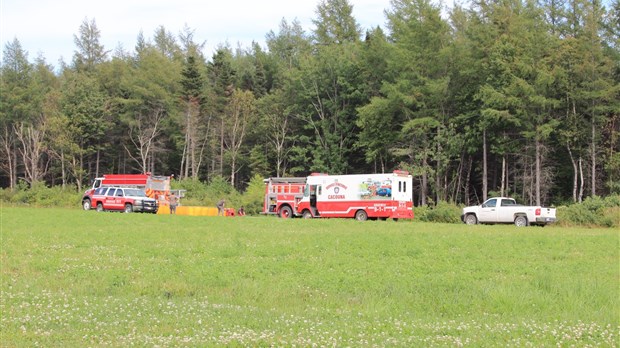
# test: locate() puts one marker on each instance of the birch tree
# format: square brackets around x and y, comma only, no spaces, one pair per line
[143,133]
[240,115]
[277,124]
[32,140]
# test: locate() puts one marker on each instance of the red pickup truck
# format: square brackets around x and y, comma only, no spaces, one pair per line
[123,199]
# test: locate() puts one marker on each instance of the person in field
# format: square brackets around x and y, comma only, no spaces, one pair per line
[220,207]
[174,201]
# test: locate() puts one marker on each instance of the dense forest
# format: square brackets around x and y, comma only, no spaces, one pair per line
[510,97]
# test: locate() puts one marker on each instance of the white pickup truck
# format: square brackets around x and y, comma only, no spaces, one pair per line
[500,210]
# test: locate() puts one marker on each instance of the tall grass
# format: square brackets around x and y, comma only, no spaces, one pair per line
[75,278]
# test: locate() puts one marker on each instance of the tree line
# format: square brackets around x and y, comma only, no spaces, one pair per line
[511,97]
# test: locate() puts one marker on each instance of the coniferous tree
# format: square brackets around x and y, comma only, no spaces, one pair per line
[376,119]
[90,52]
[335,23]
[192,85]
[15,107]
[166,43]
[421,38]
[221,77]
[327,86]
[470,106]
[83,102]
[287,47]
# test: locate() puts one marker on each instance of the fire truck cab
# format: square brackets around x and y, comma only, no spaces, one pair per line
[282,196]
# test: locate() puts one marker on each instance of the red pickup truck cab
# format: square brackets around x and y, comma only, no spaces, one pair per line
[123,199]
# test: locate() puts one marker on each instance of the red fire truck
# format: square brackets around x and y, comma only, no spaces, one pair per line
[154,186]
[282,195]
[359,196]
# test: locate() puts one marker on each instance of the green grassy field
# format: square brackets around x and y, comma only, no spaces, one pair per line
[75,278]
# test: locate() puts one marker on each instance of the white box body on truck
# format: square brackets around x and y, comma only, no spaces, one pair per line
[503,210]
[359,196]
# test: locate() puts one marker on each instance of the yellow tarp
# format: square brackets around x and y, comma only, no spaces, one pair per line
[188,210]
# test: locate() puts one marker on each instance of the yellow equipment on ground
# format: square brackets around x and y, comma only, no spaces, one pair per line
[189,210]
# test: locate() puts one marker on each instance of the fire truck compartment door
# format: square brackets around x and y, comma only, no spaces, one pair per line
[401,190]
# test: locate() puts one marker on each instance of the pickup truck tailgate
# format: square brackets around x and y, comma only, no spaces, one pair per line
[546,215]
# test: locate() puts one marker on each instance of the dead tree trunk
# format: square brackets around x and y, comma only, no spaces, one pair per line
[32,149]
[484,165]
[575,171]
[8,142]
[537,169]
[593,158]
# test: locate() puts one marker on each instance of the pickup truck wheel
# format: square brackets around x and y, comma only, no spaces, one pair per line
[307,214]
[521,221]
[361,215]
[471,219]
[86,205]
[128,208]
[286,212]
[99,207]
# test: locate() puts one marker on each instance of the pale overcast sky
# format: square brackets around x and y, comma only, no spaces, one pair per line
[47,27]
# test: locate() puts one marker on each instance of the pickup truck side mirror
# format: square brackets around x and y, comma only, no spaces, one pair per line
[484,205]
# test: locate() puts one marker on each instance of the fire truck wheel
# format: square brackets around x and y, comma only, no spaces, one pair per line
[307,214]
[128,208]
[99,207]
[86,204]
[286,212]
[361,215]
